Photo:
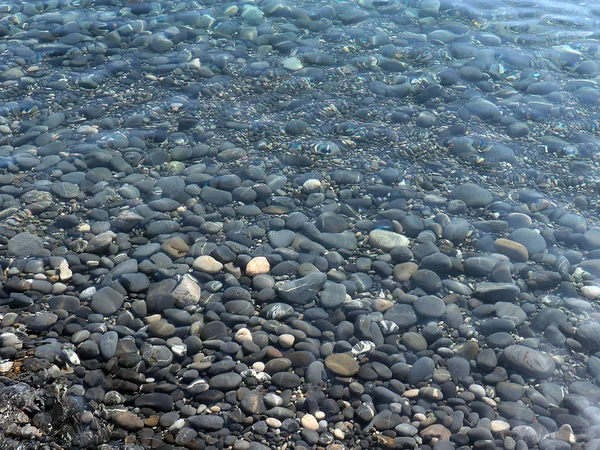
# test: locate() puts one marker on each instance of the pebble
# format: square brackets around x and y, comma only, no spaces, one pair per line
[342,364]
[387,240]
[528,361]
[24,244]
[257,266]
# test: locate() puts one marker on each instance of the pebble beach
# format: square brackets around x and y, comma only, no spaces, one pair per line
[279,224]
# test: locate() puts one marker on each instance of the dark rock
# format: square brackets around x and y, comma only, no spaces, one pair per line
[527,361]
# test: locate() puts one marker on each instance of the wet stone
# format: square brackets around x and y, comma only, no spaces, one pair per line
[65,190]
[42,322]
[430,307]
[286,380]
[387,240]
[473,195]
[225,381]
[342,364]
[302,290]
[106,301]
[156,401]
[528,361]
[207,422]
[24,244]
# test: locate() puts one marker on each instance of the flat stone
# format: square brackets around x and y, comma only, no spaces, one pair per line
[342,364]
[207,264]
[436,430]
[427,280]
[108,344]
[42,321]
[387,240]
[414,341]
[528,362]
[225,381]
[302,290]
[156,401]
[286,380]
[128,421]
[65,189]
[98,244]
[332,296]
[66,302]
[430,307]
[207,422]
[421,370]
[402,315]
[472,194]
[161,328]
[512,249]
[24,244]
[513,410]
[495,292]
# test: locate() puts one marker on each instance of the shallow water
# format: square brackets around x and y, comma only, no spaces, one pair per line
[399,80]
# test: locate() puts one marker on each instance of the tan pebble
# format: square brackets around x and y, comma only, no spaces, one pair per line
[431,393]
[499,425]
[273,422]
[420,417]
[87,129]
[411,393]
[477,390]
[215,409]
[153,318]
[339,434]
[336,446]
[590,292]
[310,422]
[565,433]
[257,266]
[381,305]
[286,340]
[311,185]
[320,415]
[207,264]
[404,271]
[436,431]
[512,249]
[489,401]
[243,334]
[258,366]
[151,421]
